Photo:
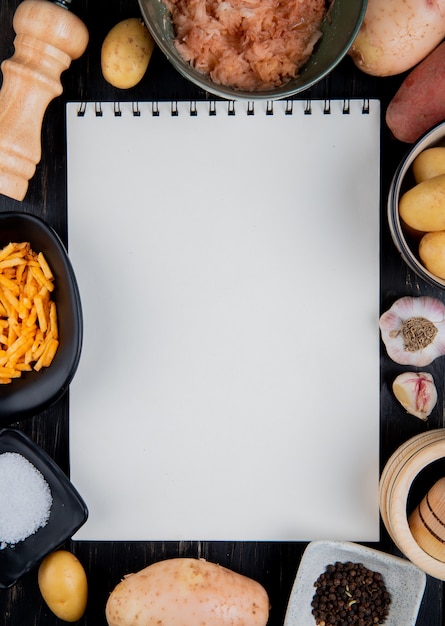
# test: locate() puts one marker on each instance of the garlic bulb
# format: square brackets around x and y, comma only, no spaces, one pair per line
[416,392]
[413,330]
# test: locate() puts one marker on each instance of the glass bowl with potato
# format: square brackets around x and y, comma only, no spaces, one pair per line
[416,207]
[41,326]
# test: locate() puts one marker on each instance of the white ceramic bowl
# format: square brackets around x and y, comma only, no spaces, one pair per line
[403,580]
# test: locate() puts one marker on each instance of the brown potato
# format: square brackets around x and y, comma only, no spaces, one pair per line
[419,104]
[63,584]
[432,252]
[126,53]
[187,592]
[429,163]
[423,206]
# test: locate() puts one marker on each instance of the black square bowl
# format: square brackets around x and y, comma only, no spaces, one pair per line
[68,511]
[35,391]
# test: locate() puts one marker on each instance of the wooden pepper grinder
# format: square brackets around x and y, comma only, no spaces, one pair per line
[48,38]
[427,522]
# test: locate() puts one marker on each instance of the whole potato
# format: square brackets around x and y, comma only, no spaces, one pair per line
[432,252]
[63,585]
[419,102]
[187,592]
[423,206]
[429,163]
[397,34]
[126,52]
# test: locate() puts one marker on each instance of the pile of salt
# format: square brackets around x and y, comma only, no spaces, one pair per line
[25,499]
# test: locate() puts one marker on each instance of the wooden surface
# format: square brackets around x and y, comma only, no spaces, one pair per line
[272,564]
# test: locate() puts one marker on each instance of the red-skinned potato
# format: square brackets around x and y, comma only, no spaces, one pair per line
[187,592]
[397,34]
[419,103]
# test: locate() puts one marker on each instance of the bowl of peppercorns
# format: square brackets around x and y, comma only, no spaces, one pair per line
[340,582]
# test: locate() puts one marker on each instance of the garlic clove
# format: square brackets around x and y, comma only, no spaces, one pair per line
[416,392]
[413,330]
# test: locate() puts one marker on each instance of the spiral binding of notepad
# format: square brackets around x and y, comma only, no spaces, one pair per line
[229,107]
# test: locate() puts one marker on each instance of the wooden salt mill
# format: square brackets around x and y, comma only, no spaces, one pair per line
[48,38]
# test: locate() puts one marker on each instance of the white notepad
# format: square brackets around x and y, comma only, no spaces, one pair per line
[228,264]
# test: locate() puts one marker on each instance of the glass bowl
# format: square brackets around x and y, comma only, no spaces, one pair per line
[406,242]
[340,28]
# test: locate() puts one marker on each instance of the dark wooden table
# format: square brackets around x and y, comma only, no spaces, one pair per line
[273,564]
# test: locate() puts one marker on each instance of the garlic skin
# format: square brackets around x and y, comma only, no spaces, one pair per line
[413,330]
[416,392]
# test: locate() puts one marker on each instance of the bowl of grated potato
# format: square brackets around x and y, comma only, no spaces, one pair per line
[254,49]
[41,325]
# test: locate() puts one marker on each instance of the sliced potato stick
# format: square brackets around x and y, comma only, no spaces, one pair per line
[9,372]
[41,316]
[48,354]
[19,348]
[12,262]
[23,367]
[20,274]
[13,301]
[32,317]
[53,324]
[7,283]
[41,278]
[12,335]
[44,266]
[8,308]
[29,334]
[7,251]
[23,309]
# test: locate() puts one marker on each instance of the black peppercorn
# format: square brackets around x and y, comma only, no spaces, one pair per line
[349,593]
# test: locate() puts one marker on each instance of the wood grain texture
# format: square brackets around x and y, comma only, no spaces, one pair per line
[272,564]
[426,522]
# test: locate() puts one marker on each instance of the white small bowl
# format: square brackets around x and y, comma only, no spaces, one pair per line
[403,580]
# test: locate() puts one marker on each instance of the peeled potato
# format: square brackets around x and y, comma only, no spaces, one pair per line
[432,252]
[126,52]
[187,592]
[423,206]
[63,585]
[429,163]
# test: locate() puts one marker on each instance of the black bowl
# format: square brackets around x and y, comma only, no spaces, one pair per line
[68,511]
[35,391]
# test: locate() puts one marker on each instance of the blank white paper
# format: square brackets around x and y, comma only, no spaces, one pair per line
[228,266]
